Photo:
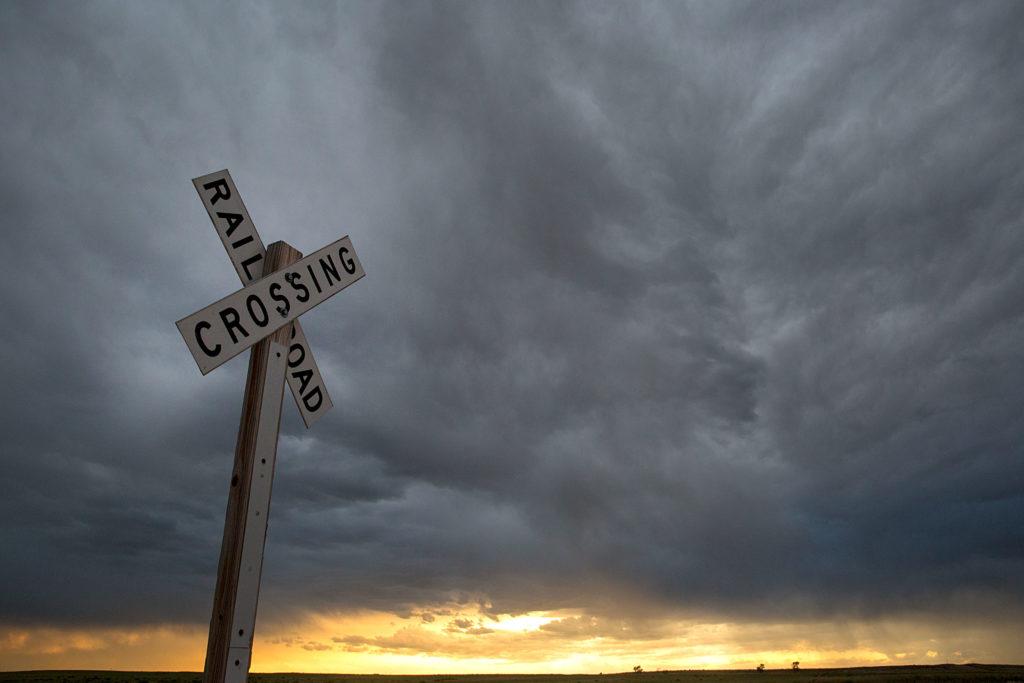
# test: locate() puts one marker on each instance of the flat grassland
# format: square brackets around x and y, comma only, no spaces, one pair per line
[876,674]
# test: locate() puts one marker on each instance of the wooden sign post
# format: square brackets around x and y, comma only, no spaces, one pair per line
[281,285]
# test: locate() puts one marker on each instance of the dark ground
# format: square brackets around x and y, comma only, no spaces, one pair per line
[943,672]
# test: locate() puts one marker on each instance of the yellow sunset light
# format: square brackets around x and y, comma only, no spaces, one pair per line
[531,621]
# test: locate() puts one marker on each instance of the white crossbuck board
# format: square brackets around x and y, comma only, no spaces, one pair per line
[234,226]
[224,329]
[238,234]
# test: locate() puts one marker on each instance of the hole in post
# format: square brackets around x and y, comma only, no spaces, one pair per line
[234,480]
[237,662]
[241,631]
[263,460]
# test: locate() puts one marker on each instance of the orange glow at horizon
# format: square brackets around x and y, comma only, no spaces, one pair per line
[460,640]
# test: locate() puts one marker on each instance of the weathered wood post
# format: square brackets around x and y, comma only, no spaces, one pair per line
[229,648]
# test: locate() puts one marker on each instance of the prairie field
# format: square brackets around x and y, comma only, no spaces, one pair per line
[942,672]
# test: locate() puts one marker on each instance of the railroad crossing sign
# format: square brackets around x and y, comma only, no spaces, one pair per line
[280,286]
[245,249]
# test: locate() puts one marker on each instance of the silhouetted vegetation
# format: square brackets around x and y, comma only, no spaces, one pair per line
[943,673]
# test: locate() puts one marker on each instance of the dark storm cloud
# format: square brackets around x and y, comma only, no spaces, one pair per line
[711,306]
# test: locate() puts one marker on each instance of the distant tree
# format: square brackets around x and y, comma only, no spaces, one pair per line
[637,669]
[760,667]
[796,666]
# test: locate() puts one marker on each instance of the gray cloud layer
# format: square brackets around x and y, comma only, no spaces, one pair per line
[715,306]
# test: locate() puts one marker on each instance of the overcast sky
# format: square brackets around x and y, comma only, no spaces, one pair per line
[713,310]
